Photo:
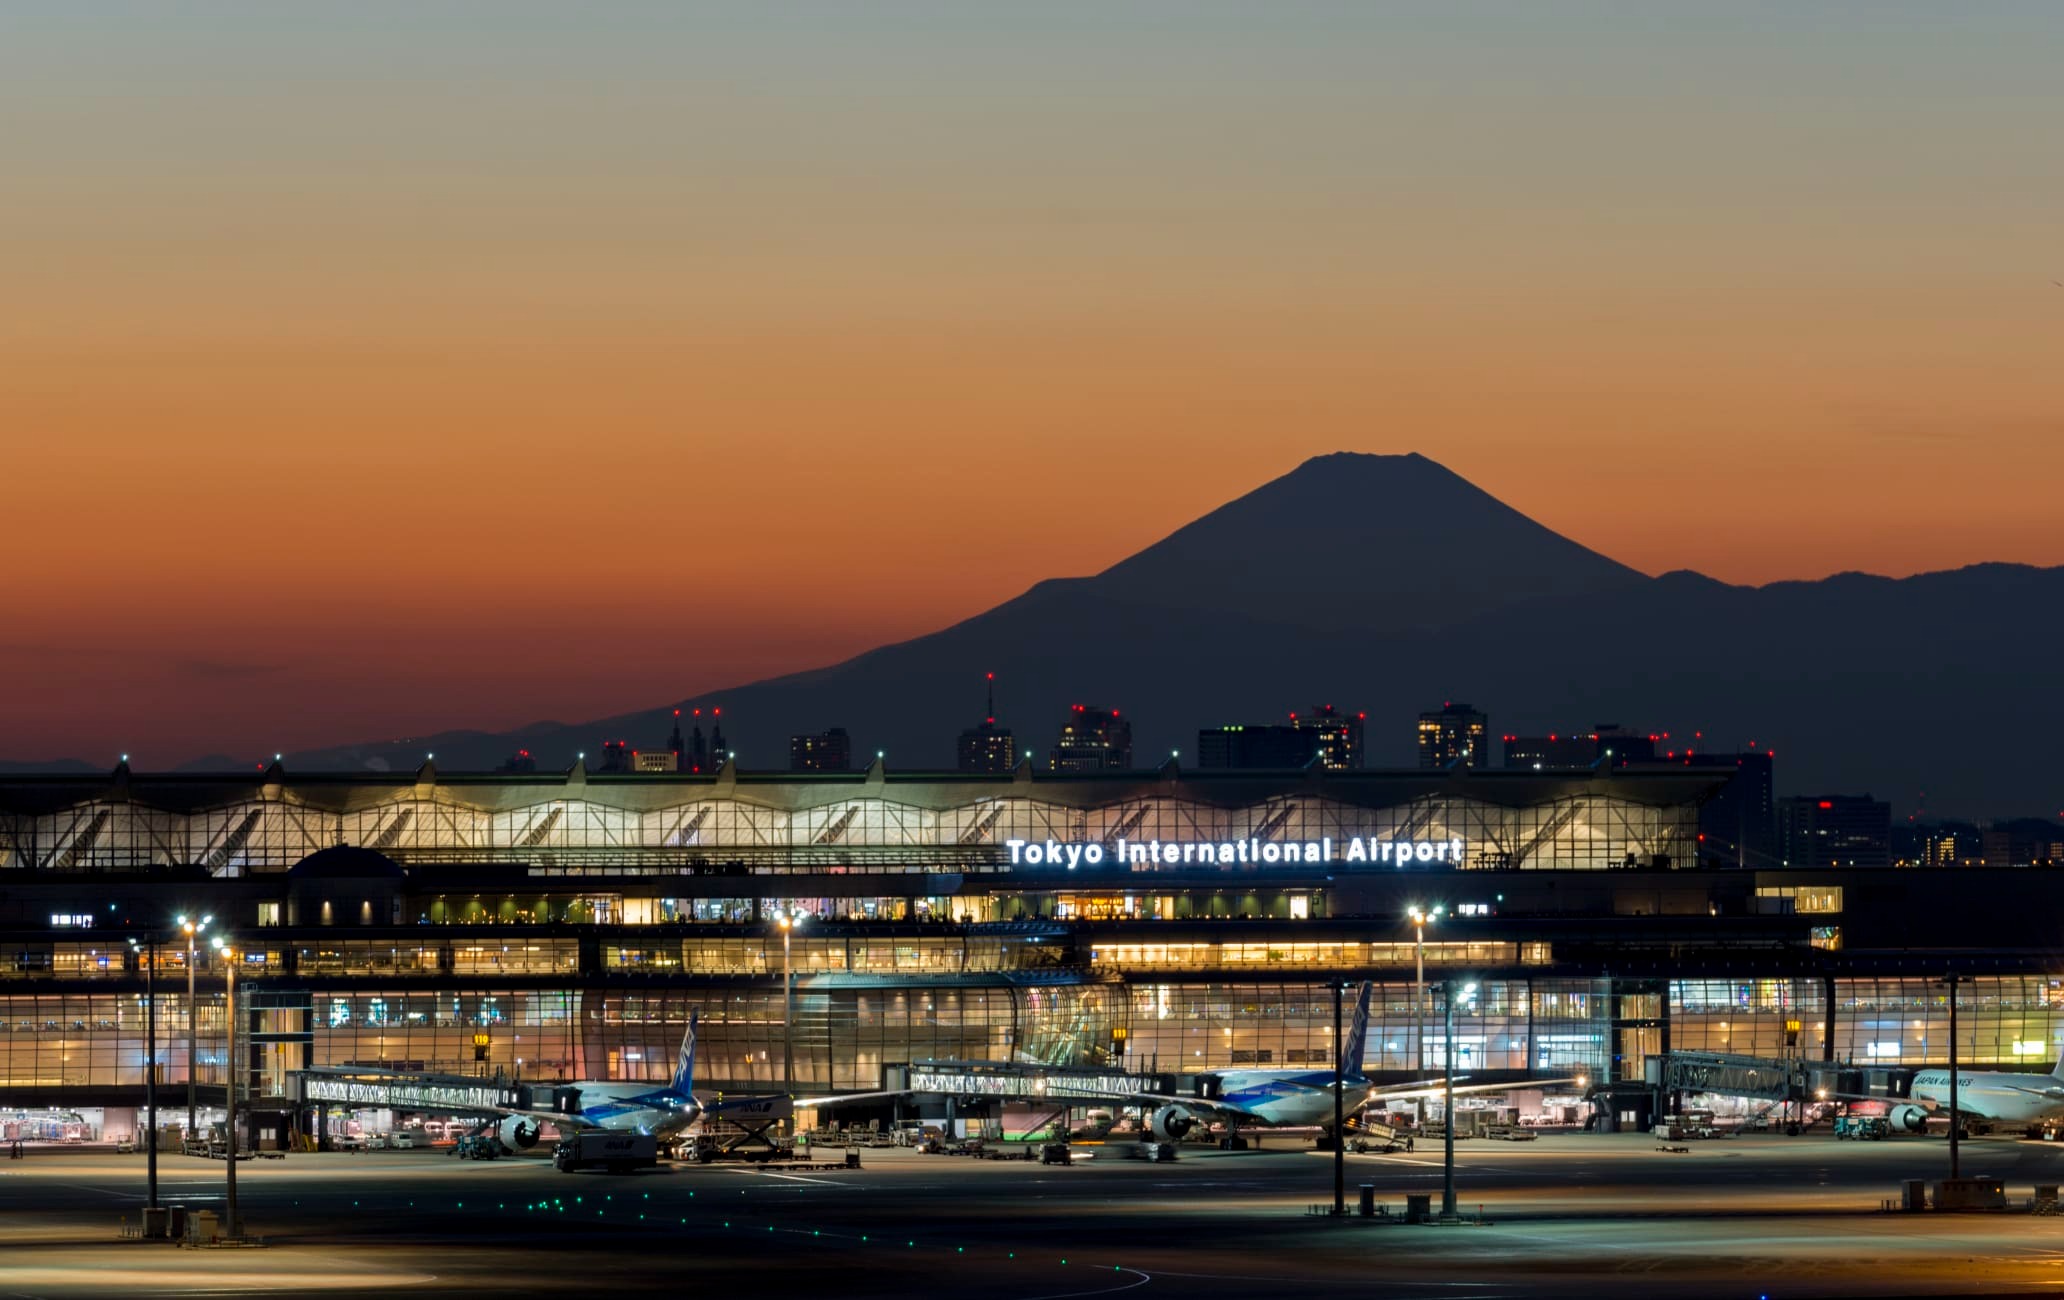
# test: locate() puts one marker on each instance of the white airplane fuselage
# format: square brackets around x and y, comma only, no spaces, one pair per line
[2003,1098]
[1290,1098]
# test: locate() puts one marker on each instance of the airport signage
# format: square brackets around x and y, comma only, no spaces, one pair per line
[409,1096]
[1366,850]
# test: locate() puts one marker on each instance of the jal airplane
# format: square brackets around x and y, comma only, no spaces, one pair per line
[2028,1101]
[618,1107]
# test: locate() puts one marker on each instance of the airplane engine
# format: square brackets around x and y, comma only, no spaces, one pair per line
[1913,1119]
[517,1134]
[1173,1123]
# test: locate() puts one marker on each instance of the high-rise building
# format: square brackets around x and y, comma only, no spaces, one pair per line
[1331,737]
[1092,740]
[1557,751]
[1621,746]
[1938,844]
[1336,736]
[988,746]
[823,751]
[1835,830]
[616,756]
[1455,733]
[1624,745]
[1738,823]
[698,753]
[1256,746]
[519,763]
[2024,842]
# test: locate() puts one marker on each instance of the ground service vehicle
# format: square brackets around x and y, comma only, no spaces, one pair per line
[1872,1128]
[619,1153]
[407,1139]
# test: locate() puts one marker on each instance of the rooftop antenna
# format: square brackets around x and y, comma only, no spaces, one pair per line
[992,698]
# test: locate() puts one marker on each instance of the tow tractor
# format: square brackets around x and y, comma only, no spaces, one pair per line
[1864,1128]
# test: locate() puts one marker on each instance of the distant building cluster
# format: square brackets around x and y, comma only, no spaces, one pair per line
[1742,823]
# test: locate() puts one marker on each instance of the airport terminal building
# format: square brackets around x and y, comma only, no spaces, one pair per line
[563,926]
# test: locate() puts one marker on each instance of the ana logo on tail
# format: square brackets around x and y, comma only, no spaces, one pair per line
[684,1064]
[1357,1035]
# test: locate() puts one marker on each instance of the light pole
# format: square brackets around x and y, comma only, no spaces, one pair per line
[149,948]
[193,930]
[229,1089]
[1339,1121]
[1448,1097]
[1955,1122]
[1421,918]
[788,918]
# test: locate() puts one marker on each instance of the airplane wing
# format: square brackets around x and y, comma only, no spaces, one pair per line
[1410,1090]
[844,1097]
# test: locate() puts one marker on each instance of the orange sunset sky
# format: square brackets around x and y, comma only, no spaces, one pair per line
[373,369]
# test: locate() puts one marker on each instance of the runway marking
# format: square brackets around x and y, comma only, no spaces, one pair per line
[792,1178]
[1144,1278]
[1359,1282]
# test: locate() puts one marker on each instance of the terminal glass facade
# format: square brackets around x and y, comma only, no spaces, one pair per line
[692,824]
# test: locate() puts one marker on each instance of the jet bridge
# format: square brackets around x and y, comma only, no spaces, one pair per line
[402,1090]
[1772,1078]
[1761,1077]
[1014,1081]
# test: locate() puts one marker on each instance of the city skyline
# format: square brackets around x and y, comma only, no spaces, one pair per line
[1196,625]
[375,373]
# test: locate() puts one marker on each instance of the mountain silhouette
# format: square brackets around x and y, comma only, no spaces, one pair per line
[1387,585]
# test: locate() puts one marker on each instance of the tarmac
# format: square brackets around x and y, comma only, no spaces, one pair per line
[1568,1215]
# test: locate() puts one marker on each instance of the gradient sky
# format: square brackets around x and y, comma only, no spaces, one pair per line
[376,368]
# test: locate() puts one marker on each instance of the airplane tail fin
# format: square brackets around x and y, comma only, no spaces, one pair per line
[2057,1071]
[1352,1046]
[684,1064]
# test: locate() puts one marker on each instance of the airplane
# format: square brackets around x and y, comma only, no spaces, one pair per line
[617,1107]
[1292,1098]
[2029,1101]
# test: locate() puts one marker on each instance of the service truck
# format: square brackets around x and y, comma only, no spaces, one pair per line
[619,1153]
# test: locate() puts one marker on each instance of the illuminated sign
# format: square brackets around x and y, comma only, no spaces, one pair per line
[1367,849]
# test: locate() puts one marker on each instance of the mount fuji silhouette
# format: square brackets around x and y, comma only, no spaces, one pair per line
[1388,584]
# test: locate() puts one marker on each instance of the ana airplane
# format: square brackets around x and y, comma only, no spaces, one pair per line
[1291,1098]
[618,1107]
[2029,1101]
